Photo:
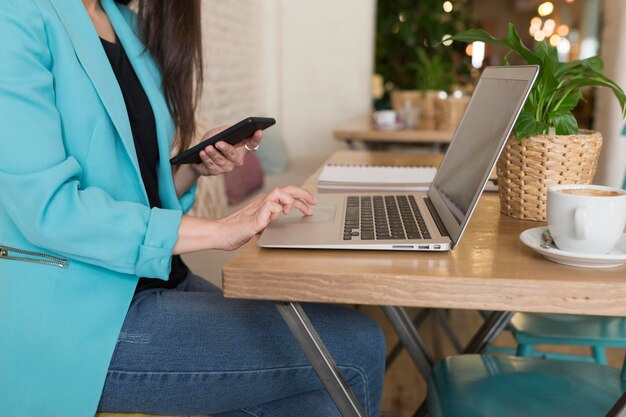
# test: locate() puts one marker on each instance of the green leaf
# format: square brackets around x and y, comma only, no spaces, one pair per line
[512,41]
[598,80]
[480,35]
[567,103]
[565,123]
[515,43]
[580,68]
[528,125]
[595,63]
[544,50]
[548,81]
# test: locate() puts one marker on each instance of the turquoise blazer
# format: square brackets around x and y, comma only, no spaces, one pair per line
[70,188]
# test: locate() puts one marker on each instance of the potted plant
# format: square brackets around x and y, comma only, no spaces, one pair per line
[433,74]
[403,28]
[547,147]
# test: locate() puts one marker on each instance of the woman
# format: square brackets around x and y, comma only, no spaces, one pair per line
[90,100]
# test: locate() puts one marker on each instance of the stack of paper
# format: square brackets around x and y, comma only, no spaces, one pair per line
[372,177]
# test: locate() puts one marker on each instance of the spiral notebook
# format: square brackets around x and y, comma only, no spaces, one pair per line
[375,177]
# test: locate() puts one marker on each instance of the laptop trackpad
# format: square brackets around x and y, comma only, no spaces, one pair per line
[321,215]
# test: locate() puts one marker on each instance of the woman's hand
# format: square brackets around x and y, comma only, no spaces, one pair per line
[231,232]
[224,157]
[240,226]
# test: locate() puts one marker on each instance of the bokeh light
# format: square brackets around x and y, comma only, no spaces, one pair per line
[540,35]
[545,9]
[554,40]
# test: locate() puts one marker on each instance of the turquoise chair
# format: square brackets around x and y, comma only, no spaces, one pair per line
[598,333]
[510,386]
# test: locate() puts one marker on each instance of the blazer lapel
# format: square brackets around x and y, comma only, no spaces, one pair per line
[150,78]
[96,64]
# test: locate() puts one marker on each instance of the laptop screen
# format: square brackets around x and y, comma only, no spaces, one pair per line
[478,141]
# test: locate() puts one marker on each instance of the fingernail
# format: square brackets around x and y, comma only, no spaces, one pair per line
[220,145]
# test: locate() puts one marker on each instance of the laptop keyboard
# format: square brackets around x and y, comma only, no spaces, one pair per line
[389,217]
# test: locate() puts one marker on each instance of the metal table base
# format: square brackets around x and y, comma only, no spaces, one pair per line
[324,365]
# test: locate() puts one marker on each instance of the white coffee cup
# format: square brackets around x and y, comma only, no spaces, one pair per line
[386,118]
[587,219]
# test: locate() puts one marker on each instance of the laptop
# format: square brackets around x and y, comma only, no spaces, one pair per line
[419,221]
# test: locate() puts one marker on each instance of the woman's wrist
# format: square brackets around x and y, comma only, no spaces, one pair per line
[184,178]
[196,234]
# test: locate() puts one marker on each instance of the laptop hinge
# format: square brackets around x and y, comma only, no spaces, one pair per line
[442,228]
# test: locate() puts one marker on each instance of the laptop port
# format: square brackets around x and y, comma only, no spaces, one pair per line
[436,246]
[422,247]
[402,246]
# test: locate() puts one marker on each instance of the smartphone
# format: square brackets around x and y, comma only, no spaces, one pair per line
[233,135]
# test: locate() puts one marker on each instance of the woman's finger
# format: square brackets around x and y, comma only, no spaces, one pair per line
[280,196]
[215,156]
[230,152]
[268,212]
[288,201]
[300,193]
[205,158]
[303,207]
[253,141]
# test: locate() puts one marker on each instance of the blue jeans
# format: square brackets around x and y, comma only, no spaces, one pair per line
[190,351]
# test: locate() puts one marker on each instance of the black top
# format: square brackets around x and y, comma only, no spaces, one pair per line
[143,128]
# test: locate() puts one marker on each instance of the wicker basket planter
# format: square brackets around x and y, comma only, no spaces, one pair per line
[400,97]
[424,100]
[449,111]
[527,168]
[428,111]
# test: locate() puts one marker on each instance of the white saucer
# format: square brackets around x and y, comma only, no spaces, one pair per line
[615,258]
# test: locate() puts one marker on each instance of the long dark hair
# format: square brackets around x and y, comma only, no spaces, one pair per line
[171,30]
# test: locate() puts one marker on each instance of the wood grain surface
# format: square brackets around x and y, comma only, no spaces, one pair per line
[489,270]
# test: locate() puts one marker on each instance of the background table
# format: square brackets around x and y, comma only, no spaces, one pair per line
[362,130]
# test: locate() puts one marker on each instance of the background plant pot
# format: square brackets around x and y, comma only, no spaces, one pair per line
[400,97]
[428,111]
[528,167]
[449,111]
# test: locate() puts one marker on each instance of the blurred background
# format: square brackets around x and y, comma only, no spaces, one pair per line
[315,64]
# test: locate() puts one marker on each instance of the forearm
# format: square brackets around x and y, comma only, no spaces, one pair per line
[196,234]
[184,177]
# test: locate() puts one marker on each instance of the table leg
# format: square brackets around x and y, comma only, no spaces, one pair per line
[489,331]
[318,355]
[403,325]
[398,347]
[442,318]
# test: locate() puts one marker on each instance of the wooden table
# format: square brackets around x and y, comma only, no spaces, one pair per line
[490,270]
[363,131]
